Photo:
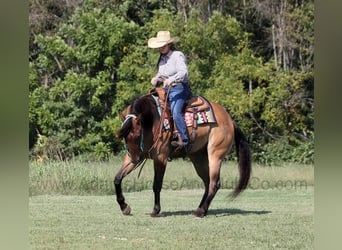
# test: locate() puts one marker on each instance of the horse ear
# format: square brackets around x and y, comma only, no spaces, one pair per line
[124,113]
[122,116]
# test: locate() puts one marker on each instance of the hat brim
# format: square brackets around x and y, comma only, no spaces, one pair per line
[154,43]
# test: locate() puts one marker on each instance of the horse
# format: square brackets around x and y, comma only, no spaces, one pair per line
[146,138]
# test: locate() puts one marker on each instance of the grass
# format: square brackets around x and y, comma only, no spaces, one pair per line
[77,178]
[258,219]
[70,208]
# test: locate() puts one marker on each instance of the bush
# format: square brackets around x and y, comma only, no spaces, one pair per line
[279,152]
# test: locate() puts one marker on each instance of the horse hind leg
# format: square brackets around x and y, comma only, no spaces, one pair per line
[215,154]
[201,164]
[211,189]
[218,148]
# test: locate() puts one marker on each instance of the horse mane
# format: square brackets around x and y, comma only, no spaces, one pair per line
[140,106]
[144,106]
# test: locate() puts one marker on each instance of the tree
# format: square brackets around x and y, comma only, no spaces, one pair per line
[290,32]
[85,70]
[45,17]
[78,69]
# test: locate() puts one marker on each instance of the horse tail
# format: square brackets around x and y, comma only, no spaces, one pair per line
[244,159]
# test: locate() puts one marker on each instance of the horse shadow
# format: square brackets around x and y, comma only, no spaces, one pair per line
[216,212]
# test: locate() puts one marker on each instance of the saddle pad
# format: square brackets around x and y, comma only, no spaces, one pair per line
[203,117]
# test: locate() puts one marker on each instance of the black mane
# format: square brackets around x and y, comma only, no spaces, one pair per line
[146,107]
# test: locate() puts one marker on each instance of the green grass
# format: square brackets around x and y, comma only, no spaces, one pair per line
[72,206]
[258,219]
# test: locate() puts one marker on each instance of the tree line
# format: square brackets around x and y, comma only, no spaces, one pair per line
[88,59]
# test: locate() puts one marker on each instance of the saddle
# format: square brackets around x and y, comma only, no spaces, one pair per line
[196,104]
[197,111]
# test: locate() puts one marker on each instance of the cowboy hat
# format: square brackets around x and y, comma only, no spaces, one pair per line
[163,38]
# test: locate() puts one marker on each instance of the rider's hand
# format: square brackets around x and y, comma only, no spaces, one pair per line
[167,82]
[154,81]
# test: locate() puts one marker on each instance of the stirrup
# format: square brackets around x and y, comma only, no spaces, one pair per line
[177,144]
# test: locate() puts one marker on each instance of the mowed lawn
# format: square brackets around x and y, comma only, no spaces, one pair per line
[264,218]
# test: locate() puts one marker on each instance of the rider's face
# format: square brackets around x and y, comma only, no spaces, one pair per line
[165,49]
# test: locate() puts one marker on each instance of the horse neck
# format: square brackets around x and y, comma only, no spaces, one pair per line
[148,112]
[156,132]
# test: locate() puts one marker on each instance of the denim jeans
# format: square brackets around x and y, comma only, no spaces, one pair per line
[177,96]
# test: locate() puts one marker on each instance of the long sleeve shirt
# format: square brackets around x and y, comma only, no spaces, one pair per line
[173,66]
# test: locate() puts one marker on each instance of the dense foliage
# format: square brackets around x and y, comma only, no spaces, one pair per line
[89,59]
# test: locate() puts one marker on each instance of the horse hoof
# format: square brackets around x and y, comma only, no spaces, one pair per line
[155,212]
[199,213]
[126,210]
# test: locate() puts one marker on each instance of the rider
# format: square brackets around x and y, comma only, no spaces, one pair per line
[173,73]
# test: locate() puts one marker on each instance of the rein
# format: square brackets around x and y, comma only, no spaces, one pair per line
[160,125]
[138,164]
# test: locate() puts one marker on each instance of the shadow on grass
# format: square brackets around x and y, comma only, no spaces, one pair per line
[216,212]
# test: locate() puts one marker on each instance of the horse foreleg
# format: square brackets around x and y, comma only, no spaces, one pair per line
[159,171]
[126,168]
[125,208]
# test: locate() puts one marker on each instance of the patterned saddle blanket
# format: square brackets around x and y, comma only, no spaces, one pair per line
[199,109]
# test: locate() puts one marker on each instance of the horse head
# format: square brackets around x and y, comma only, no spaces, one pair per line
[131,130]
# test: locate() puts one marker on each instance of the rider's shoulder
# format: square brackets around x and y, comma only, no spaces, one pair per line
[177,53]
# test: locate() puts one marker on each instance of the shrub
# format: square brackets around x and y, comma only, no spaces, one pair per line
[281,151]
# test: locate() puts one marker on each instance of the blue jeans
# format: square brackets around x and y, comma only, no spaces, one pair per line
[177,96]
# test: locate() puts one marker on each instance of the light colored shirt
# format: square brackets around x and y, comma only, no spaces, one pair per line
[173,66]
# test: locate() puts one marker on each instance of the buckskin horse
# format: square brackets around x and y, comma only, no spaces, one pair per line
[147,137]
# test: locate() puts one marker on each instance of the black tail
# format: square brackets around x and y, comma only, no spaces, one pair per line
[244,158]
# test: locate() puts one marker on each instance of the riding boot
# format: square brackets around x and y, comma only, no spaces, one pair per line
[181,148]
[179,141]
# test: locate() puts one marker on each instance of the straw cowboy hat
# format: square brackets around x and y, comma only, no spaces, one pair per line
[163,38]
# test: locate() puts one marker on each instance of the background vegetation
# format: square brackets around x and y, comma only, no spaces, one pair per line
[89,58]
[96,178]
